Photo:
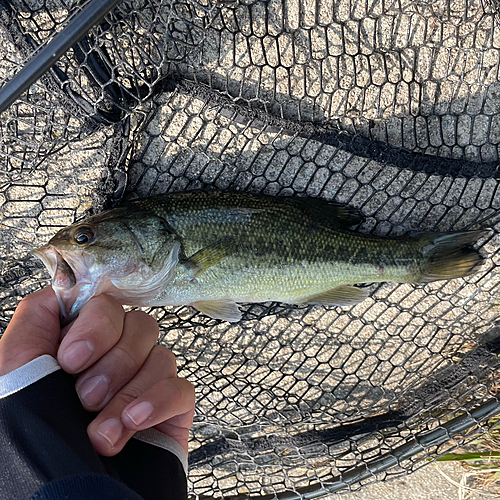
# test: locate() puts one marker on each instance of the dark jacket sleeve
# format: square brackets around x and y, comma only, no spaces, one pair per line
[44,444]
[86,487]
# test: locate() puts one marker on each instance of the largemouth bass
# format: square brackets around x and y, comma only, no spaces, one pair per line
[213,250]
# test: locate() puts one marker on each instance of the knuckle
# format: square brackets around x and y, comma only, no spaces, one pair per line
[178,389]
[170,391]
[102,323]
[27,301]
[164,356]
[188,389]
[190,386]
[126,357]
[171,384]
[34,310]
[128,394]
[178,393]
[106,306]
[105,302]
[102,320]
[147,323]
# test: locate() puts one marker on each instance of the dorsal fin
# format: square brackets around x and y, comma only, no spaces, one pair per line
[328,212]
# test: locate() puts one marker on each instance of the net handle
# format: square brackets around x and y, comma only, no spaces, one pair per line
[92,14]
[420,443]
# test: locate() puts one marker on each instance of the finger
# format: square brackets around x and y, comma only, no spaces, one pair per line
[94,332]
[169,402]
[107,432]
[34,330]
[178,427]
[99,383]
[166,399]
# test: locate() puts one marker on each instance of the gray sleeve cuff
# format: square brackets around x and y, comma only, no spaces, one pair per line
[27,374]
[156,438]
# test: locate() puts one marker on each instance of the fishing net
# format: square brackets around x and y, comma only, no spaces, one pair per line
[392,107]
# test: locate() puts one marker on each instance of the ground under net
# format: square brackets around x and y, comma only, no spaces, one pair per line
[390,106]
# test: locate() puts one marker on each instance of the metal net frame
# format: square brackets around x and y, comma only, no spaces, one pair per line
[392,107]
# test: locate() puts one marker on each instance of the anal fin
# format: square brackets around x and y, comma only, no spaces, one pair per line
[343,295]
[225,309]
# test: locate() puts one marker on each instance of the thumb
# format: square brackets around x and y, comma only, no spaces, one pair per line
[34,330]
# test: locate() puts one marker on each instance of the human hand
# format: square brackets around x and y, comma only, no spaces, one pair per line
[131,381]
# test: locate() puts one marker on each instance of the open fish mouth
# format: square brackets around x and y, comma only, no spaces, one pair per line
[62,274]
[70,280]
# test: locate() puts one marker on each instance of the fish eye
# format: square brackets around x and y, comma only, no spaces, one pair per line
[83,235]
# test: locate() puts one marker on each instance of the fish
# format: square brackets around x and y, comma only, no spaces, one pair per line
[214,250]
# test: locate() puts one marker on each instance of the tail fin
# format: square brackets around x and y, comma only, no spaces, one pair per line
[450,255]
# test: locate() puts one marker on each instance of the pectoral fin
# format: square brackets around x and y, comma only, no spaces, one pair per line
[226,310]
[340,296]
[210,256]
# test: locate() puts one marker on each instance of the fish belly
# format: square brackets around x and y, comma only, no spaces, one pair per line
[291,283]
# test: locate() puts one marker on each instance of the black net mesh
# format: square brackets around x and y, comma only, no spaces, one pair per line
[392,107]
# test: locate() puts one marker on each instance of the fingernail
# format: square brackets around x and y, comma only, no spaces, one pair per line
[110,430]
[140,412]
[76,355]
[94,390]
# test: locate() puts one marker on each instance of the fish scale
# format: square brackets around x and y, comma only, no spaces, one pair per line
[215,249]
[284,254]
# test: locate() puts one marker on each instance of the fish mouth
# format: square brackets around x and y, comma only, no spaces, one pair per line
[70,280]
[63,276]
